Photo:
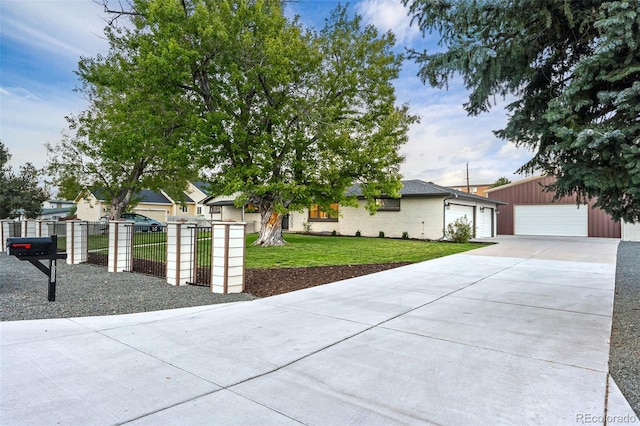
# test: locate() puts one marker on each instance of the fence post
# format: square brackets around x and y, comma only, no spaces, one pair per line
[28,228]
[120,246]
[42,228]
[77,244]
[228,254]
[180,253]
[8,228]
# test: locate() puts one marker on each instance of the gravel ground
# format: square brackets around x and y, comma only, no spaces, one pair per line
[89,290]
[624,355]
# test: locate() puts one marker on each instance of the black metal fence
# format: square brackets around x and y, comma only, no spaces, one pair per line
[60,230]
[149,251]
[201,265]
[97,237]
[15,229]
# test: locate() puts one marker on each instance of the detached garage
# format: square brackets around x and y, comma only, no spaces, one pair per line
[532,211]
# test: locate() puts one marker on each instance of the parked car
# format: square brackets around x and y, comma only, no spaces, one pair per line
[143,223]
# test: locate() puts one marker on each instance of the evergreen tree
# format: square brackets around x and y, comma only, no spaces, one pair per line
[573,70]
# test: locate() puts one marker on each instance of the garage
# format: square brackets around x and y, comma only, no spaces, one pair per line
[454,212]
[529,209]
[553,220]
[484,222]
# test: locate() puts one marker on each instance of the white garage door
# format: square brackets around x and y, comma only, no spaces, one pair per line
[454,212]
[551,219]
[484,219]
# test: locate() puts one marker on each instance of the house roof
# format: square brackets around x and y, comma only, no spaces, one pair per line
[144,196]
[420,188]
[222,203]
[58,210]
[203,187]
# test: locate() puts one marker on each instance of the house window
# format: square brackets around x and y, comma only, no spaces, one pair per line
[317,214]
[215,209]
[185,209]
[388,204]
[199,210]
[251,208]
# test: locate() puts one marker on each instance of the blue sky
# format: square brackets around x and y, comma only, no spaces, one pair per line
[41,42]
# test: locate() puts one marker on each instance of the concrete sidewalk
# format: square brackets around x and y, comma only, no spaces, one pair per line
[515,333]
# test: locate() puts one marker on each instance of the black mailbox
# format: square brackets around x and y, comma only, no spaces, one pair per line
[41,247]
[36,249]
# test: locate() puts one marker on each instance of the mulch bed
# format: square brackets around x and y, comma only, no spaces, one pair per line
[272,281]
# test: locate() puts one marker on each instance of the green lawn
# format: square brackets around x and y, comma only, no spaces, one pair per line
[309,250]
[305,250]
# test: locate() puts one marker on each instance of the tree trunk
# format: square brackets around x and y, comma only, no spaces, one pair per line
[270,234]
[119,203]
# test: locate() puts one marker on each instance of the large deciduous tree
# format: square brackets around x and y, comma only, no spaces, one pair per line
[133,134]
[281,115]
[572,71]
[19,194]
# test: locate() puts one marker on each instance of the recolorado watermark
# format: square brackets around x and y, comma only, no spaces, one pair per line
[586,418]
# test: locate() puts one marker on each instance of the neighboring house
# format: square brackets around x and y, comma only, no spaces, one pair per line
[222,208]
[477,189]
[423,211]
[154,204]
[532,211]
[54,214]
[198,191]
[55,209]
[92,205]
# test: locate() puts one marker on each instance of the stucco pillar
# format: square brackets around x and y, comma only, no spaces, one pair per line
[228,257]
[77,242]
[42,228]
[180,253]
[120,246]
[28,228]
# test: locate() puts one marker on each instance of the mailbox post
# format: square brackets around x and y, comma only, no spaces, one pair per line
[35,249]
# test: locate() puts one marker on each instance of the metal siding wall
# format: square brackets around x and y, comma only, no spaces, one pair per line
[600,223]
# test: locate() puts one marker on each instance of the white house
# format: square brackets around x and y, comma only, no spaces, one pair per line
[423,211]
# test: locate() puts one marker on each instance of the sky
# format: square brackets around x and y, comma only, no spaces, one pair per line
[41,42]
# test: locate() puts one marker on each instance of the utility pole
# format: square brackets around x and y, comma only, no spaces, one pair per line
[468,188]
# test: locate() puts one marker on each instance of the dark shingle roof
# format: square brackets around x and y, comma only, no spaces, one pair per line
[202,186]
[419,188]
[148,196]
[143,196]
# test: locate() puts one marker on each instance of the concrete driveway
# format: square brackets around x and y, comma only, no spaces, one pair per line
[515,333]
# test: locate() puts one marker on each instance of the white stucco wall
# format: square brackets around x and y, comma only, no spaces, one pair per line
[421,218]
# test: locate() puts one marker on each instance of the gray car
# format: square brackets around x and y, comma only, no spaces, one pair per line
[143,223]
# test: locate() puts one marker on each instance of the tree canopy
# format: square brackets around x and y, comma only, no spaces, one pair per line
[571,70]
[500,181]
[132,135]
[278,114]
[19,194]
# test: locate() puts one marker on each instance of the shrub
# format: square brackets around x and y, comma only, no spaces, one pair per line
[405,235]
[459,231]
[381,234]
[334,233]
[358,234]
[306,227]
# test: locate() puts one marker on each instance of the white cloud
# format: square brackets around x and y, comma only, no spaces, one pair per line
[446,139]
[70,28]
[389,15]
[30,122]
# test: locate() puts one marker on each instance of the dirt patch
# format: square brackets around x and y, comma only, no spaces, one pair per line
[269,282]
